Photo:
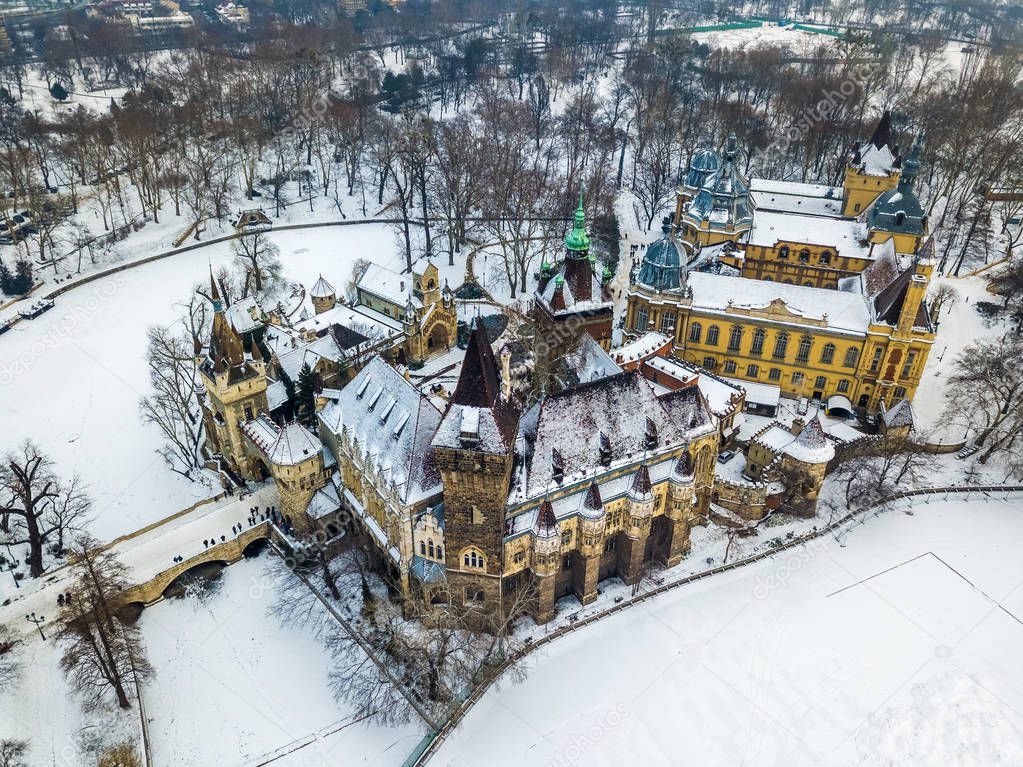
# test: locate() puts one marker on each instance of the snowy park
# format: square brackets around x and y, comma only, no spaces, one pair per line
[897,642]
[74,376]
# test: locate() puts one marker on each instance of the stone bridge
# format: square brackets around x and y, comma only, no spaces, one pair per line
[226,553]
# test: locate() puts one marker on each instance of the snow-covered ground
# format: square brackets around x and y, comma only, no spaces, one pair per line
[233,687]
[899,644]
[959,325]
[72,378]
[40,708]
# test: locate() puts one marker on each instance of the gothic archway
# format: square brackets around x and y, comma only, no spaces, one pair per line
[438,340]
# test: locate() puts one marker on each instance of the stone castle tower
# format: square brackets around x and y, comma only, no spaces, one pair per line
[474,452]
[572,298]
[873,168]
[235,386]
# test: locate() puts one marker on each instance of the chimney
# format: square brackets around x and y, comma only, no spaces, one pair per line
[505,373]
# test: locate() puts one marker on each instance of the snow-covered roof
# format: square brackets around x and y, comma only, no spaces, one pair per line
[276,394]
[321,289]
[876,161]
[795,197]
[643,348]
[283,446]
[899,414]
[244,315]
[324,502]
[843,312]
[388,422]
[360,318]
[846,236]
[388,285]
[613,413]
[812,445]
[759,393]
[588,360]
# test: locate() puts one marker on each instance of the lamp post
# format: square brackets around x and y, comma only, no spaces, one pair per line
[38,621]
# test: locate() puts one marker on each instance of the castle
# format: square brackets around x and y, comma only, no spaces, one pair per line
[815,291]
[519,488]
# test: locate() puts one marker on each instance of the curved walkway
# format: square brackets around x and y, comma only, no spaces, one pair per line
[433,741]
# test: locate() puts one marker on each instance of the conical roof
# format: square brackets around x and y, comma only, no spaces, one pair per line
[641,488]
[812,444]
[683,469]
[479,383]
[593,505]
[546,525]
[322,289]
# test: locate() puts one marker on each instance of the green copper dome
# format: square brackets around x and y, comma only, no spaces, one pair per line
[577,240]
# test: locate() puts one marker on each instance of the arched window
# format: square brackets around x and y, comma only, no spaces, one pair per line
[804,255]
[695,332]
[826,257]
[803,354]
[473,559]
[712,335]
[422,548]
[783,251]
[440,552]
[781,345]
[852,355]
[642,317]
[431,548]
[735,339]
[828,354]
[757,347]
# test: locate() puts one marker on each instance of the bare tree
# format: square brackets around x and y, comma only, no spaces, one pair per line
[35,505]
[10,652]
[13,753]
[102,655]
[258,258]
[985,395]
[174,405]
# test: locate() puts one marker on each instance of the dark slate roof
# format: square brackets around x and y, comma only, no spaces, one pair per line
[593,505]
[546,524]
[347,338]
[479,383]
[885,213]
[888,303]
[641,486]
[704,162]
[883,132]
[662,268]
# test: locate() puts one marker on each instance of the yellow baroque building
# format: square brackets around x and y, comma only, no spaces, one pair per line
[825,306]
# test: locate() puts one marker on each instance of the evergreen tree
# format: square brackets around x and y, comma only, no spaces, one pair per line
[6,280]
[305,402]
[59,92]
[22,282]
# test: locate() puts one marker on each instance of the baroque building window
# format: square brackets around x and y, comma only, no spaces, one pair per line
[757,347]
[774,375]
[729,366]
[781,345]
[695,332]
[852,355]
[668,323]
[752,371]
[803,353]
[828,354]
[642,318]
[735,339]
[843,386]
[712,335]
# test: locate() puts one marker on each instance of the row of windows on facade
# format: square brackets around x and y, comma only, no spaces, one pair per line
[774,374]
[781,343]
[804,255]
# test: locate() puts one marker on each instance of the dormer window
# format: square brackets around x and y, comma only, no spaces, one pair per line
[651,435]
[557,466]
[605,450]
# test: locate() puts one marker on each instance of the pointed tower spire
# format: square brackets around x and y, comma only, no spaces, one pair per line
[578,242]
[911,165]
[883,132]
[218,305]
